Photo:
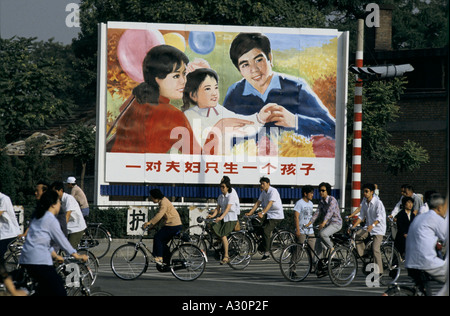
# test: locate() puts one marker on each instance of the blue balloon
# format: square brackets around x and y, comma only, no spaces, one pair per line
[202,42]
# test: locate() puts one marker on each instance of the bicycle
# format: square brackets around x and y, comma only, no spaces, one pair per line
[251,226]
[97,239]
[12,258]
[239,245]
[92,263]
[343,260]
[419,286]
[186,261]
[76,275]
[297,260]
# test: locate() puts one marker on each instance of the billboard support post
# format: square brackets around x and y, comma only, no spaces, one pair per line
[357,123]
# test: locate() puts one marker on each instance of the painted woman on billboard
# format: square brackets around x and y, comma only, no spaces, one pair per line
[176,90]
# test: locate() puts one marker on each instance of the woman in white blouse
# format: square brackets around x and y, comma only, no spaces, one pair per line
[227,211]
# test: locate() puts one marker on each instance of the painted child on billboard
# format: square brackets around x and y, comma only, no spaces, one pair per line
[145,125]
[290,101]
[201,107]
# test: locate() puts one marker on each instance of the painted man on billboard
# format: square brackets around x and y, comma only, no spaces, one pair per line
[292,103]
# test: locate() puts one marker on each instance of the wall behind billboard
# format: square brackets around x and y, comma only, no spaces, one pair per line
[276,112]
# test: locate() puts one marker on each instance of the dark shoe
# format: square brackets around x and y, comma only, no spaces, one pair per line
[265,257]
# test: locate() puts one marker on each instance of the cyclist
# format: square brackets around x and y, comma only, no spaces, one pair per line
[37,252]
[228,209]
[329,208]
[8,282]
[407,190]
[423,234]
[9,227]
[302,215]
[372,211]
[270,201]
[172,225]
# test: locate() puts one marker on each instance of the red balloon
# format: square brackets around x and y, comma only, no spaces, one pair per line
[133,47]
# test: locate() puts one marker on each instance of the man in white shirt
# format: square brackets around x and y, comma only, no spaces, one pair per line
[74,218]
[9,228]
[423,234]
[271,203]
[374,215]
[303,212]
[407,190]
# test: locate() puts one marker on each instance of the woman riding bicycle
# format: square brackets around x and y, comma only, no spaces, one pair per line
[172,224]
[38,251]
[229,208]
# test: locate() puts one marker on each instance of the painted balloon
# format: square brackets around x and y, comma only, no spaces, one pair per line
[202,42]
[133,47]
[176,40]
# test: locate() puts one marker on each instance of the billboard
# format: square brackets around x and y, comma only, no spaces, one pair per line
[192,103]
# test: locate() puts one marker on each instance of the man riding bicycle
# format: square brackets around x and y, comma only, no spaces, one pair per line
[423,234]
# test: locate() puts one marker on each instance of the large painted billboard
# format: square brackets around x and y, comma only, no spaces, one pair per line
[192,103]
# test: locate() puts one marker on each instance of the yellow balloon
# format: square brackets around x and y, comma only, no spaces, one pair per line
[175,39]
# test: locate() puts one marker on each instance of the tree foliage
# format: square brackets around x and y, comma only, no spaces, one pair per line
[35,84]
[380,107]
[79,142]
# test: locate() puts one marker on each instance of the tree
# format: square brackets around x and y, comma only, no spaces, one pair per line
[79,141]
[19,175]
[34,84]
[380,108]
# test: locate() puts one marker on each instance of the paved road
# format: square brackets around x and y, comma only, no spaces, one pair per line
[260,278]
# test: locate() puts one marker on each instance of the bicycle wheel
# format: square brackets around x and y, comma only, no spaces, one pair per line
[75,275]
[342,266]
[12,261]
[92,263]
[187,262]
[279,241]
[101,293]
[239,250]
[128,262]
[97,239]
[391,262]
[295,262]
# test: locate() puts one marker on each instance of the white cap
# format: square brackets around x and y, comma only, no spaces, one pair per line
[70,180]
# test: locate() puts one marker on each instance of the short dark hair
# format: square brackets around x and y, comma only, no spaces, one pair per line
[408,186]
[245,42]
[369,186]
[57,185]
[228,185]
[157,194]
[307,189]
[406,199]
[193,81]
[264,179]
[327,187]
[47,199]
[44,184]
